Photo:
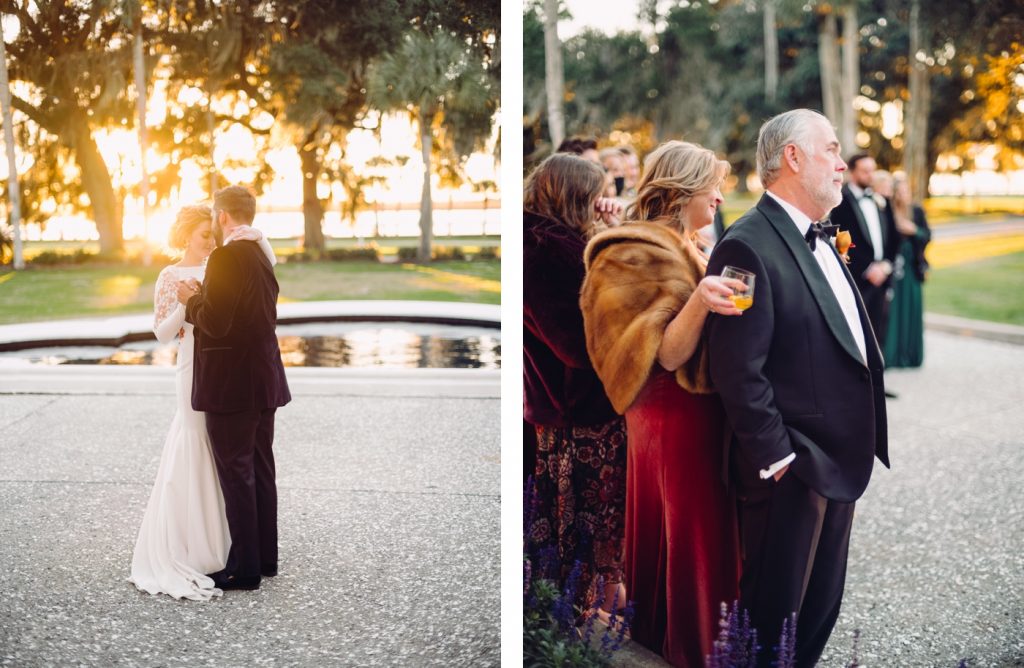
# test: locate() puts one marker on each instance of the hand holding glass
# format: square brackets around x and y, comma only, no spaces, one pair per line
[742,299]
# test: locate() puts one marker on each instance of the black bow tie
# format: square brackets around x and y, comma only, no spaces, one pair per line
[824,230]
[868,192]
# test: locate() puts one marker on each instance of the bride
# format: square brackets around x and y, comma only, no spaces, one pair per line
[184,532]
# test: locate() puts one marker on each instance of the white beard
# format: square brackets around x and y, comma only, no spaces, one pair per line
[823,193]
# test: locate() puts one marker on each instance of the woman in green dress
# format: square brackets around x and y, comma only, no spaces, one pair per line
[904,341]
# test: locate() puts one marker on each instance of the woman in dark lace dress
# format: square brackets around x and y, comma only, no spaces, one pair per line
[580,464]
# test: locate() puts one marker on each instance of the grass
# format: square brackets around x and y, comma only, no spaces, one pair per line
[940,210]
[92,290]
[943,253]
[282,247]
[990,289]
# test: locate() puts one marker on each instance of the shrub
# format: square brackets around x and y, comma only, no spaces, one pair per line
[452,253]
[342,254]
[6,244]
[551,634]
[80,256]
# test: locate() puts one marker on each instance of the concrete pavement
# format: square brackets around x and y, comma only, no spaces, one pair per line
[936,566]
[389,521]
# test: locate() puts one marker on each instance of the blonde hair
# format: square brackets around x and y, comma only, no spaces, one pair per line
[882,178]
[565,188]
[673,173]
[901,208]
[189,218]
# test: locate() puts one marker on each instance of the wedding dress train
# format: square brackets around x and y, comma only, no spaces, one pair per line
[184,532]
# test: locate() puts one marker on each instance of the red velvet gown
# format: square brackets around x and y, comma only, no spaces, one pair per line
[681,546]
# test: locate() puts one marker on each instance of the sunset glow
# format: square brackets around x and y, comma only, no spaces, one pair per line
[398,184]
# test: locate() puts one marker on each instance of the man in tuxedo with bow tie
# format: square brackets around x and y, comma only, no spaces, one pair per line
[800,376]
[875,240]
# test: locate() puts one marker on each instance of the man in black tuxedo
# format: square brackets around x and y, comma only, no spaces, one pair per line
[800,375]
[239,382]
[875,240]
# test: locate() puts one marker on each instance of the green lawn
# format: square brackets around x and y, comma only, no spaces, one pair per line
[282,247]
[87,291]
[940,210]
[990,289]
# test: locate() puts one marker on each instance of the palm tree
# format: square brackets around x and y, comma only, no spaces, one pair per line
[441,82]
[554,84]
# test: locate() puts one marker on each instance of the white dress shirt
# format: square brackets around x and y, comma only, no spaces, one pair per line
[869,208]
[828,260]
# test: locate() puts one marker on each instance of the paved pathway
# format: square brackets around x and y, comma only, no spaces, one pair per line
[1009,225]
[936,570]
[389,502]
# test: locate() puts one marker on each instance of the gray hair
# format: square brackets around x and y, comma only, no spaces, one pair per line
[789,127]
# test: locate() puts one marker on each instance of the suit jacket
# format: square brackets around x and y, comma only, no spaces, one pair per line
[788,370]
[849,217]
[237,363]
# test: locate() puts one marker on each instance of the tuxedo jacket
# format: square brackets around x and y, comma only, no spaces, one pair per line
[237,364]
[850,218]
[788,370]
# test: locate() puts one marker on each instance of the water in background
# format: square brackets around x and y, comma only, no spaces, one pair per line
[289,224]
[328,344]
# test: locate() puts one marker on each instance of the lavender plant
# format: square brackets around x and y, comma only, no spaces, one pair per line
[855,661]
[551,636]
[786,649]
[736,645]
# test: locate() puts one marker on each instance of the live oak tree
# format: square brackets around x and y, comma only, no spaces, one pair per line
[319,74]
[69,65]
[447,89]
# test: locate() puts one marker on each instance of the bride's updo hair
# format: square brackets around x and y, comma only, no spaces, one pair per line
[189,218]
[673,173]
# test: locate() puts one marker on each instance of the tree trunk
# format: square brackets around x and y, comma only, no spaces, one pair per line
[851,77]
[554,85]
[139,65]
[13,189]
[312,208]
[828,60]
[771,52]
[426,205]
[211,126]
[96,180]
[916,124]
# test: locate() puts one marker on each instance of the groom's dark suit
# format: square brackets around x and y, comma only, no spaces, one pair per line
[239,383]
[792,380]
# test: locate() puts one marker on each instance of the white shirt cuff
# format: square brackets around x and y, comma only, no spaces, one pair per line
[777,466]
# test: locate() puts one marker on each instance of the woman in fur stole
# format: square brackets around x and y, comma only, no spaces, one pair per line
[580,463]
[644,302]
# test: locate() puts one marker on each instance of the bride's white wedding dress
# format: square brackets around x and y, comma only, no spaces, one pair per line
[184,532]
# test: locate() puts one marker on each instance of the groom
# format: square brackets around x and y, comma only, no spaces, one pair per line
[239,383]
[800,375]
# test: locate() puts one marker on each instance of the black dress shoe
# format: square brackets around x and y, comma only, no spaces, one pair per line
[222,580]
[269,570]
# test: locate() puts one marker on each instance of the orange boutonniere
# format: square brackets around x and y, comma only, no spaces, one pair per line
[843,244]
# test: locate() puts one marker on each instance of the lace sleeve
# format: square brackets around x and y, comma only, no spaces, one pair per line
[169,314]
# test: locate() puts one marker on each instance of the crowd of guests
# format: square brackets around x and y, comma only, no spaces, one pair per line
[657,413]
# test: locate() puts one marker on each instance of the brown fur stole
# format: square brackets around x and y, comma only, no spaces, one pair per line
[639,277]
